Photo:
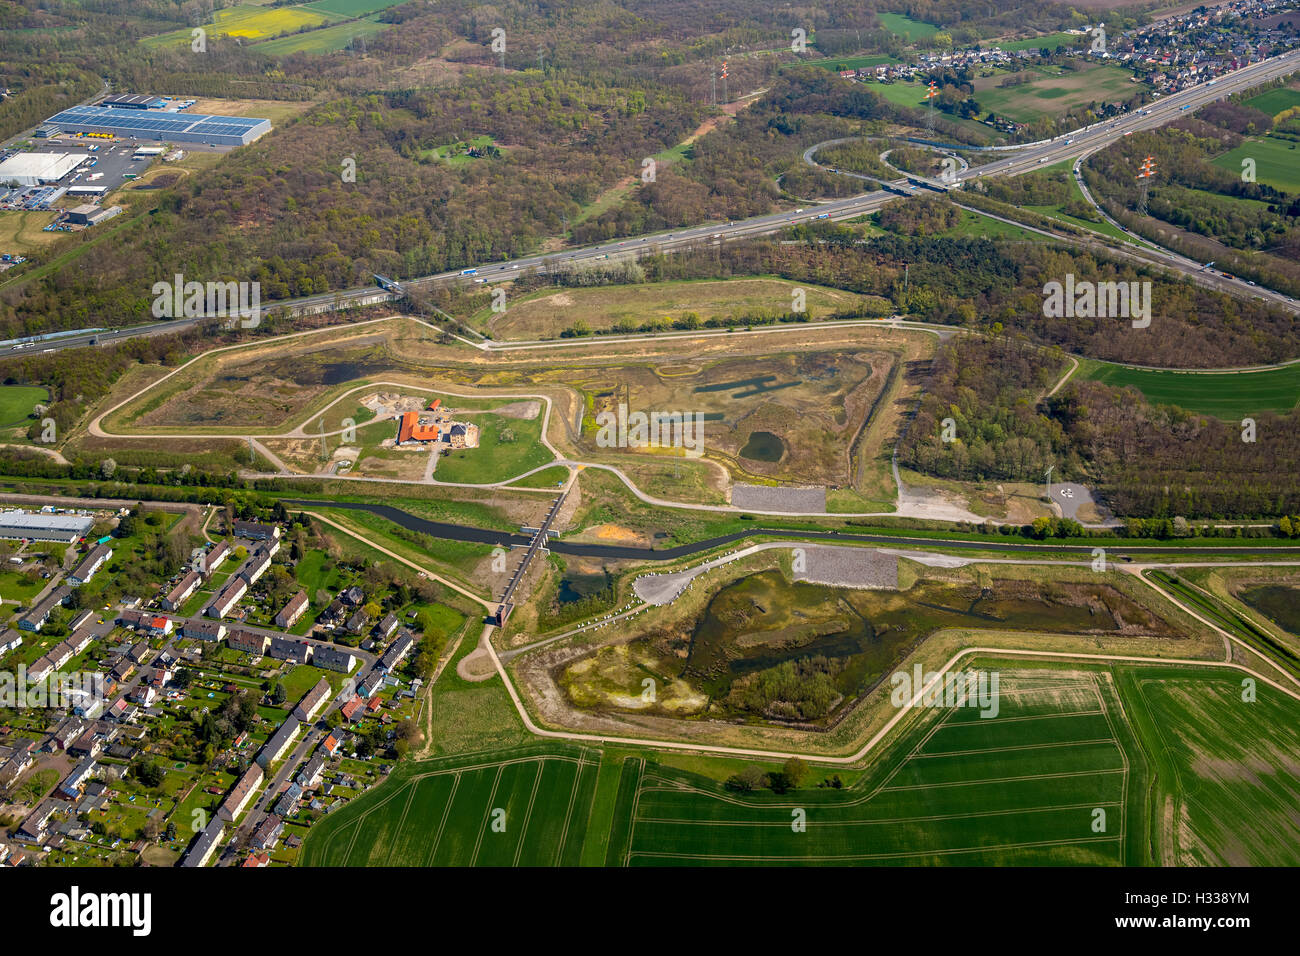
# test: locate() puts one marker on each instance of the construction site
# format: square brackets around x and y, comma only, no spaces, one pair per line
[434,425]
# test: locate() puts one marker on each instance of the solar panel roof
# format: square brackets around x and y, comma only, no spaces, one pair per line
[155,122]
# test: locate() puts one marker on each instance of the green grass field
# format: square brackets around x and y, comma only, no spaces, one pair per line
[905,27]
[1055,212]
[350,8]
[1230,395]
[546,313]
[1103,228]
[1225,765]
[1185,771]
[17,402]
[325,40]
[1275,101]
[1231,616]
[456,559]
[1055,95]
[498,456]
[547,478]
[899,92]
[311,573]
[956,789]
[442,813]
[982,227]
[452,156]
[1277,161]
[1020,789]
[23,232]
[15,586]
[303,678]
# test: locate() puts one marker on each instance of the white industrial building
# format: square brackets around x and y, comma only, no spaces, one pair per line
[44,527]
[36,169]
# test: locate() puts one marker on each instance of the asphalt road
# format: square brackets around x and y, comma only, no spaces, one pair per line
[1021,160]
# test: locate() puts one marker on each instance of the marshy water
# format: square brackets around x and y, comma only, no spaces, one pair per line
[765,646]
[763,446]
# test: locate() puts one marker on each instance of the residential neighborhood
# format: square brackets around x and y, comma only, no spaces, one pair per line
[1162,58]
[217,733]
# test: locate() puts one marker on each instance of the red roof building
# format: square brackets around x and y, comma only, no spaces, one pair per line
[410,429]
[353,707]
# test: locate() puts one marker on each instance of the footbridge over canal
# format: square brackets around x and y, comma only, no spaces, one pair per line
[536,544]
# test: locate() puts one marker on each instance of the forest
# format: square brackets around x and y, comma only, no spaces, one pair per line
[589,89]
[981,283]
[1141,460]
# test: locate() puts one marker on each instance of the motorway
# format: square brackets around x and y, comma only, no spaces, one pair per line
[1024,159]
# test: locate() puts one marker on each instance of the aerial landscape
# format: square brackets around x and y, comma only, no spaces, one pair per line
[607,434]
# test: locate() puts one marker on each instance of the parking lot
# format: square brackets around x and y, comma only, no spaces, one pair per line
[112,161]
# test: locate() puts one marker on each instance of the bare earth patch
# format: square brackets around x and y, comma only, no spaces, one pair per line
[476,666]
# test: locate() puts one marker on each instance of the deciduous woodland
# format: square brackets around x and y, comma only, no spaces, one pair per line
[1145,460]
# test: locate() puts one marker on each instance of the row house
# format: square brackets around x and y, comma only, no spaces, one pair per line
[177,596]
[243,790]
[256,531]
[267,835]
[209,562]
[279,742]
[36,618]
[292,611]
[313,700]
[290,649]
[332,658]
[210,631]
[225,602]
[257,565]
[397,652]
[201,850]
[92,562]
[248,641]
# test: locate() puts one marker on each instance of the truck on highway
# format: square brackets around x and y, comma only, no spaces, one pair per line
[469,272]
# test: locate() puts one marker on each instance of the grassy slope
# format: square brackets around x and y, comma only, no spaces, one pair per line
[1224,395]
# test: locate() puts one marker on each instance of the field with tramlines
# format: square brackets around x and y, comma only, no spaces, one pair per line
[1124,765]
[1020,788]
[441,813]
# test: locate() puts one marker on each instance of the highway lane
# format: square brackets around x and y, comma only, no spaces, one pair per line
[1031,156]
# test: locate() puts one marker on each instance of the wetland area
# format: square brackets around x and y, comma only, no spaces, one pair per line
[766,648]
